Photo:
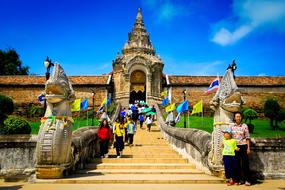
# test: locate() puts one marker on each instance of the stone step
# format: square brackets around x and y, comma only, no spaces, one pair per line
[166,155]
[137,179]
[146,151]
[140,171]
[140,153]
[139,166]
[140,160]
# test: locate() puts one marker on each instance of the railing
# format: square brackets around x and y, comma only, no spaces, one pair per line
[266,158]
[192,144]
[85,144]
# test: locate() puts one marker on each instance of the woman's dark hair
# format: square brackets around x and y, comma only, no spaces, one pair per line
[102,123]
[235,115]
[120,119]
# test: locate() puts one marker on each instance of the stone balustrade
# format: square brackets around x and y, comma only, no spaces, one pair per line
[17,153]
[266,158]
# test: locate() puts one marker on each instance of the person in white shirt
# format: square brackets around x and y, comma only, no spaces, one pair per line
[129,112]
[148,122]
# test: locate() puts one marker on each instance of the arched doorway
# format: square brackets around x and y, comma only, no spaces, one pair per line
[138,86]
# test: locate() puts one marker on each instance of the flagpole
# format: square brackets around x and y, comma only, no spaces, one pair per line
[202,113]
[188,119]
[78,119]
[87,117]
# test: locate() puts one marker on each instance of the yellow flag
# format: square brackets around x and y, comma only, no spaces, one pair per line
[104,102]
[76,105]
[197,108]
[164,93]
[169,108]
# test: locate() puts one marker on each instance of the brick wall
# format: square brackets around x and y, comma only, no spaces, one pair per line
[24,96]
[254,97]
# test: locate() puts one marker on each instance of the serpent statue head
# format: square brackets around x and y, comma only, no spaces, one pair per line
[228,96]
[58,87]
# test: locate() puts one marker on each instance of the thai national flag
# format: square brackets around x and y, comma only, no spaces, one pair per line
[214,86]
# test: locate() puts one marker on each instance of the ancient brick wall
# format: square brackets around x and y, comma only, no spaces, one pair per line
[254,97]
[24,90]
[24,96]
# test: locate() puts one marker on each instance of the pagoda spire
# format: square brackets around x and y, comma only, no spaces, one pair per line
[139,15]
[138,39]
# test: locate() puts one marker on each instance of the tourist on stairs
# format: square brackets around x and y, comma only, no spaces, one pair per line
[119,132]
[105,136]
[131,128]
[141,118]
[148,122]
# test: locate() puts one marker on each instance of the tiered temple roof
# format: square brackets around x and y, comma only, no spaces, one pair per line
[138,40]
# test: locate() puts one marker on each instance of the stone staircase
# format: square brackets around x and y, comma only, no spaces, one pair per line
[150,161]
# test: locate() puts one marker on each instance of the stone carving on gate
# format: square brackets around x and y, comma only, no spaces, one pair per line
[226,101]
[53,151]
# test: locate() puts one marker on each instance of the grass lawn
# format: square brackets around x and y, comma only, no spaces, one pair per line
[83,122]
[262,128]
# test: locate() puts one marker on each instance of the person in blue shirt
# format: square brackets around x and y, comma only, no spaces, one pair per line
[141,118]
[131,130]
[123,113]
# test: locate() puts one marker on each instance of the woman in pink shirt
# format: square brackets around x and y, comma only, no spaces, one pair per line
[241,134]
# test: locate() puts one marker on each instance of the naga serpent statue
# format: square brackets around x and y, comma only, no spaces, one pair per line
[225,103]
[53,151]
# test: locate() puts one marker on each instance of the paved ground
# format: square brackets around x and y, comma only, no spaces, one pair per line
[266,185]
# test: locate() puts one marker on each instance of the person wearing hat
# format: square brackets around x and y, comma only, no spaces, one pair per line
[230,162]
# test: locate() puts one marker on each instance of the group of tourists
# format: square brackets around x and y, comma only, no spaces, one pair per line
[236,142]
[236,149]
[135,111]
[122,131]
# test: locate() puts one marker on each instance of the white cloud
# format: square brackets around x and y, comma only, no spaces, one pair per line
[225,37]
[252,15]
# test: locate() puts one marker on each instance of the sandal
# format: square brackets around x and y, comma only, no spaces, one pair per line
[247,183]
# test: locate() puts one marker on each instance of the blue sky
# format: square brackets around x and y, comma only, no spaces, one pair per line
[193,37]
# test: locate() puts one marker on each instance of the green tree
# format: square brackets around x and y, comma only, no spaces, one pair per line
[271,110]
[6,108]
[281,115]
[250,114]
[10,63]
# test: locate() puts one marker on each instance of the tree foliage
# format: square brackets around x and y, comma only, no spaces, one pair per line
[249,114]
[6,106]
[271,110]
[16,125]
[10,63]
[281,115]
